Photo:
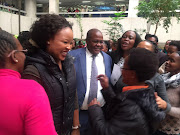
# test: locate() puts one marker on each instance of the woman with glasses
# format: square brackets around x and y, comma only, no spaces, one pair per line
[134,111]
[50,65]
[129,40]
[24,105]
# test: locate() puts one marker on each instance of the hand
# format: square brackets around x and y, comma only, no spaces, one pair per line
[75,132]
[94,102]
[103,80]
[160,102]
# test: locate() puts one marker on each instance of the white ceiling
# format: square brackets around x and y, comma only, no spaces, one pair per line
[71,3]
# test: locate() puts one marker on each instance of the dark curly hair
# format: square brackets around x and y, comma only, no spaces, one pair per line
[7,44]
[144,62]
[149,36]
[46,27]
[119,52]
[175,43]
[24,37]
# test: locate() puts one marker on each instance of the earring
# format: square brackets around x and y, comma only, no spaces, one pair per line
[48,42]
[16,60]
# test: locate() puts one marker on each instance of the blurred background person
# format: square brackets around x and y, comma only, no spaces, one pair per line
[74,45]
[80,44]
[110,45]
[161,56]
[105,47]
[166,46]
[114,46]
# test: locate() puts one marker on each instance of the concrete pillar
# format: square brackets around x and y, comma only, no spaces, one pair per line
[30,8]
[54,6]
[132,12]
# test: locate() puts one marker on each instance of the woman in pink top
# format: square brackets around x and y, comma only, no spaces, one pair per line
[24,105]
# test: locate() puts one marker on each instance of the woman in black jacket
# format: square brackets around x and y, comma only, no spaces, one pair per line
[134,111]
[50,64]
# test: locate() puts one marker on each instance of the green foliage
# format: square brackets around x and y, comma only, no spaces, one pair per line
[159,10]
[115,28]
[79,21]
[140,31]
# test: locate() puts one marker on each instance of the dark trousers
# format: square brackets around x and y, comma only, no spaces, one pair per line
[85,125]
[86,128]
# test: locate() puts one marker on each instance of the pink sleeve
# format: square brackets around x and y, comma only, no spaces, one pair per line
[38,115]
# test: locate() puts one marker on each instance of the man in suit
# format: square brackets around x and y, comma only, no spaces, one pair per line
[83,62]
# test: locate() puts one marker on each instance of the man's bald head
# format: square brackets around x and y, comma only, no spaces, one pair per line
[91,32]
[94,41]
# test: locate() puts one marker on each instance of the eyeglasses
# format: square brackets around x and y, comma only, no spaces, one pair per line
[97,41]
[14,51]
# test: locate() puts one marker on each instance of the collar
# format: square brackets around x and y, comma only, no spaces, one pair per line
[9,72]
[127,88]
[90,54]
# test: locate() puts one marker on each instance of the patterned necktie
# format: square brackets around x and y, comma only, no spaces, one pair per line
[93,82]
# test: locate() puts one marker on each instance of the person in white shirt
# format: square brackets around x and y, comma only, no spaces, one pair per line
[83,62]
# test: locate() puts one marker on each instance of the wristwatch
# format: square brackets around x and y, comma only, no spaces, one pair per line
[76,127]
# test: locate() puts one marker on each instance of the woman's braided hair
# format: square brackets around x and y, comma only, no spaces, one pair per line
[7,44]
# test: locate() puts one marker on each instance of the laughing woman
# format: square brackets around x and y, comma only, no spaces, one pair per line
[50,64]
[171,124]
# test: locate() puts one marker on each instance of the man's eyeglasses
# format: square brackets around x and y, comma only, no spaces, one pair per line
[97,41]
[14,51]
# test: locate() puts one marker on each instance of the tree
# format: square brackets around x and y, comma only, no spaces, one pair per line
[156,11]
[79,21]
[115,28]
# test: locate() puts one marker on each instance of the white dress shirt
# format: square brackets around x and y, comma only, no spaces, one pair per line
[101,70]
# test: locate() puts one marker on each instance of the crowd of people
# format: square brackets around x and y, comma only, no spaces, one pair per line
[7,9]
[50,85]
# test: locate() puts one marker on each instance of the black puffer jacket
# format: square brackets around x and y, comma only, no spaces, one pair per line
[133,112]
[59,86]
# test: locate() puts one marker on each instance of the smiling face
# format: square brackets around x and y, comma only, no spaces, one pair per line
[128,40]
[173,64]
[95,42]
[59,46]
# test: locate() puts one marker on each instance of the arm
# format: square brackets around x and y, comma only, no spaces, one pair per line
[31,73]
[38,116]
[175,112]
[76,117]
[118,123]
[160,88]
[107,91]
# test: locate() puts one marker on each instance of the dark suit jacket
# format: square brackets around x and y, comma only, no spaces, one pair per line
[80,66]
